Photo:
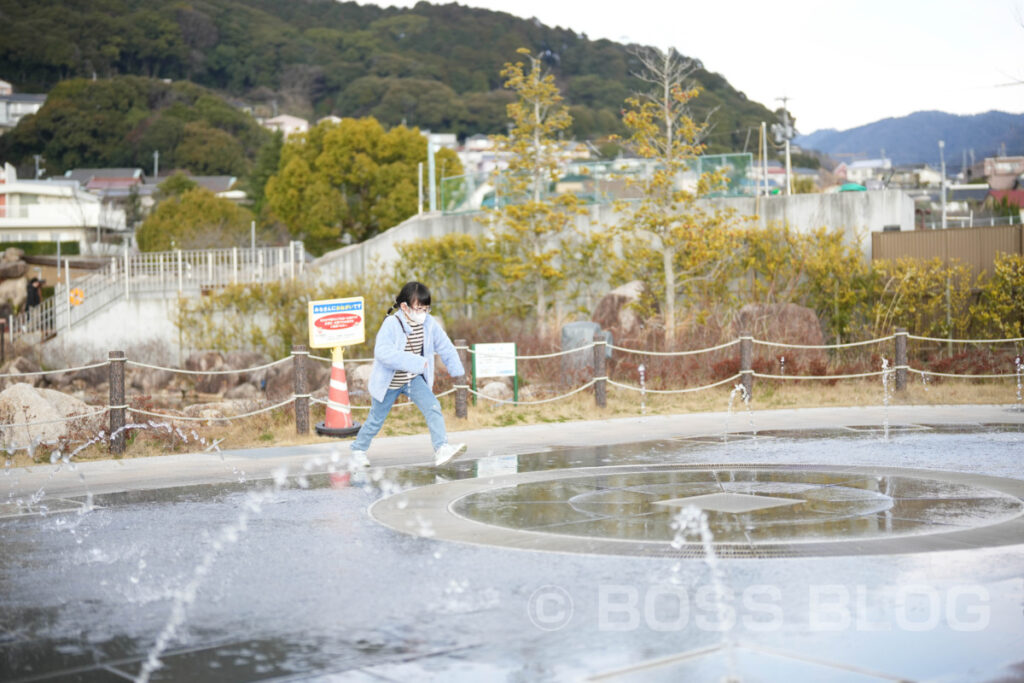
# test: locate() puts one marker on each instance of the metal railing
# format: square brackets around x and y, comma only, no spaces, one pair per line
[154,274]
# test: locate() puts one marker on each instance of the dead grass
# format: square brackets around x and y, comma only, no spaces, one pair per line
[278,428]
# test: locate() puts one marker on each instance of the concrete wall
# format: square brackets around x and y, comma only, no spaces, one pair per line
[123,325]
[856,213]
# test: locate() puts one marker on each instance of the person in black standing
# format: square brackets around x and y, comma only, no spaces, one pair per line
[33,295]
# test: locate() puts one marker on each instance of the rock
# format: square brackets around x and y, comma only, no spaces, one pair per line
[244,391]
[243,360]
[280,379]
[207,361]
[12,269]
[18,366]
[359,377]
[212,411]
[497,390]
[615,312]
[574,336]
[151,381]
[13,292]
[21,403]
[12,254]
[782,324]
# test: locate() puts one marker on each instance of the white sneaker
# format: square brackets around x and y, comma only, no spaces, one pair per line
[448,452]
[358,460]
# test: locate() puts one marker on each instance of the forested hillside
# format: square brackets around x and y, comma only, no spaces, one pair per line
[432,66]
[120,121]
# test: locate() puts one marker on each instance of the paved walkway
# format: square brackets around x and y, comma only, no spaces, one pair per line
[107,476]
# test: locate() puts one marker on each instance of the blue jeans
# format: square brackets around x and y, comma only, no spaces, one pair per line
[422,396]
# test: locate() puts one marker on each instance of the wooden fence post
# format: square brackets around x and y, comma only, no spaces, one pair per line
[301,388]
[747,362]
[901,358]
[117,401]
[600,373]
[462,390]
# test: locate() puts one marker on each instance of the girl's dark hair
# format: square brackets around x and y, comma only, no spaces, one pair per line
[412,292]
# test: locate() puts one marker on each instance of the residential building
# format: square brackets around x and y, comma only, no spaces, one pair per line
[866,169]
[53,210]
[5,88]
[15,106]
[1002,172]
[287,124]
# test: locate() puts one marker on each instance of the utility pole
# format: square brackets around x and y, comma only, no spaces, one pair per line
[432,180]
[785,133]
[156,164]
[39,169]
[942,170]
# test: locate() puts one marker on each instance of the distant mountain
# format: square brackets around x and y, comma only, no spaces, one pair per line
[915,138]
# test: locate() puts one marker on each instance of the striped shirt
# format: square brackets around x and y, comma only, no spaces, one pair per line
[413,344]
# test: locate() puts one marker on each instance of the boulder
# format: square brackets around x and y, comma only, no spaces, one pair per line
[496,390]
[21,403]
[615,312]
[243,360]
[581,363]
[13,292]
[151,381]
[12,254]
[207,361]
[12,269]
[212,411]
[244,391]
[359,377]
[18,366]
[280,379]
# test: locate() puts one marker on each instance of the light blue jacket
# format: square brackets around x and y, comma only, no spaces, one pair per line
[390,356]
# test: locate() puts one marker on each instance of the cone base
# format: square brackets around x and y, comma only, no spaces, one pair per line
[323,430]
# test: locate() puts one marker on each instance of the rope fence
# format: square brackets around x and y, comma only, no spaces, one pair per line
[118,407]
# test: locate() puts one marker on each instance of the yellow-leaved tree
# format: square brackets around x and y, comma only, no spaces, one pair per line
[344,182]
[693,243]
[536,225]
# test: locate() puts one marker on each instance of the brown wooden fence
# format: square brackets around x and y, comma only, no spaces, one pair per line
[976,247]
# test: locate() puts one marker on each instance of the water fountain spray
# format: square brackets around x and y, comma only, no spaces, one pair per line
[643,391]
[1020,372]
[885,395]
[692,521]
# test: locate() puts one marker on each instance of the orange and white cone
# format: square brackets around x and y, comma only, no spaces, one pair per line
[338,420]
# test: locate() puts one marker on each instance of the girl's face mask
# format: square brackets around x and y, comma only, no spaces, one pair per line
[418,315]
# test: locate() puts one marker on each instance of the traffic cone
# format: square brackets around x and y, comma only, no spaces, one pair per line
[338,420]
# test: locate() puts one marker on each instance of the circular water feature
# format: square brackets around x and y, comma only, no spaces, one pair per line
[754,510]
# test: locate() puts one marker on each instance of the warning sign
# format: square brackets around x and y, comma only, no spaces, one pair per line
[336,322]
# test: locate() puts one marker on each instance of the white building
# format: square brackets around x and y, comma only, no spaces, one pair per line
[287,124]
[867,169]
[52,211]
[15,106]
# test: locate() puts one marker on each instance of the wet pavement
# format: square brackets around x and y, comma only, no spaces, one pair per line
[545,554]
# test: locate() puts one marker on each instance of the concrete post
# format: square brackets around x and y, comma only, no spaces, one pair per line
[901,358]
[301,388]
[117,401]
[747,362]
[600,373]
[461,391]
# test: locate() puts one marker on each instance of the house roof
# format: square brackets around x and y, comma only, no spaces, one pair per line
[1011,196]
[214,183]
[24,97]
[86,175]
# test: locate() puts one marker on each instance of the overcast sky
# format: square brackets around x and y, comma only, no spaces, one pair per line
[842,64]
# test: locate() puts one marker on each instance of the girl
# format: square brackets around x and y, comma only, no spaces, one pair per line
[403,363]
